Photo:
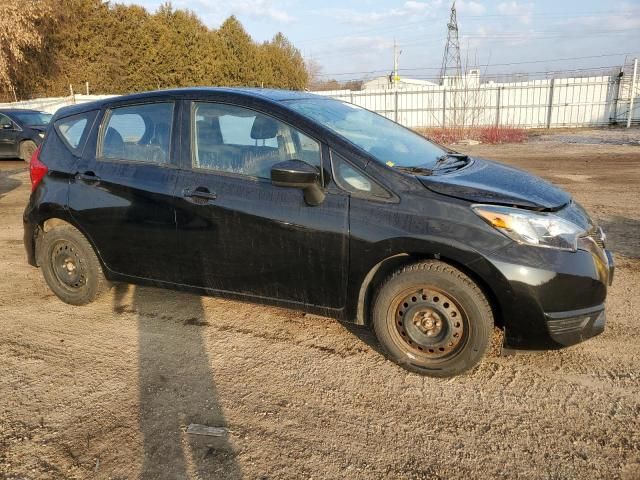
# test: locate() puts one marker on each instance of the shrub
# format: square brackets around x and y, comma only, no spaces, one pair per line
[491,135]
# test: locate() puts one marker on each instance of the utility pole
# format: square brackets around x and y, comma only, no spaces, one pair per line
[396,54]
[632,93]
[451,58]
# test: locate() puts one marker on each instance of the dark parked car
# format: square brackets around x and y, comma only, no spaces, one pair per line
[21,132]
[297,200]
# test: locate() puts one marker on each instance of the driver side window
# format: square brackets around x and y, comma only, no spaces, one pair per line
[239,140]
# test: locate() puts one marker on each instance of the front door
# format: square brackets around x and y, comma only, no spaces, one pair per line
[123,197]
[240,234]
[8,137]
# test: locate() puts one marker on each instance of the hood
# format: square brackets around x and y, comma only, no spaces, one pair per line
[484,181]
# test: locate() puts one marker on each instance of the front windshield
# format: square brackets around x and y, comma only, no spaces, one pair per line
[387,141]
[32,118]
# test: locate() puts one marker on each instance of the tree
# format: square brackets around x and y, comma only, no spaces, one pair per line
[18,32]
[284,64]
[238,55]
[314,70]
[121,48]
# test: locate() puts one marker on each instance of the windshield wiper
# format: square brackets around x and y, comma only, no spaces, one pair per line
[416,170]
[449,155]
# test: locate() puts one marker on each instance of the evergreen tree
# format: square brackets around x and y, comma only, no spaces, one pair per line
[123,48]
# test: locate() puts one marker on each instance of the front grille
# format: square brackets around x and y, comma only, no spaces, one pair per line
[567,325]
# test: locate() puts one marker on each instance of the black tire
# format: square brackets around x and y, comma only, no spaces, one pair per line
[432,319]
[27,148]
[70,266]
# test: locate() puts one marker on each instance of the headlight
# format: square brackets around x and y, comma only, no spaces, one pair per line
[533,228]
[41,134]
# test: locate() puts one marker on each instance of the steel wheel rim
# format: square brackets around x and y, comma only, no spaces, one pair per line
[67,265]
[430,323]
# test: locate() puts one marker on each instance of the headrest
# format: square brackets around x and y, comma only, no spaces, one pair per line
[264,128]
[113,143]
[113,136]
[209,132]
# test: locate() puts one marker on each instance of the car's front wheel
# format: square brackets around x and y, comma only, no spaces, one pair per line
[70,266]
[432,319]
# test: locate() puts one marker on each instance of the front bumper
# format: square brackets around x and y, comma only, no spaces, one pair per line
[551,299]
[569,328]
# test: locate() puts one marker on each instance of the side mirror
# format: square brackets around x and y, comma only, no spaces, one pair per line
[7,126]
[299,174]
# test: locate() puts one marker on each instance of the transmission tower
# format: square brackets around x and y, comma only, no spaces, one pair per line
[451,59]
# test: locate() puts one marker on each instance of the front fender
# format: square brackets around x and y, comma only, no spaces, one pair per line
[394,253]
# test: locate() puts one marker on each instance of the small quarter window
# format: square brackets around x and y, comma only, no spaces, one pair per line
[352,180]
[139,133]
[5,122]
[74,129]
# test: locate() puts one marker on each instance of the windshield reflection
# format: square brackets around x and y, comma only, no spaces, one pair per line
[387,141]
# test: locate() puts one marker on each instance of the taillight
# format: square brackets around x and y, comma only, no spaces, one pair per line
[37,169]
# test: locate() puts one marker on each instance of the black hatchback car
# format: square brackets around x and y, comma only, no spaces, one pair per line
[21,132]
[298,200]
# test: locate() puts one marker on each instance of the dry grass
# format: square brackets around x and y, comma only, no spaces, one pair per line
[490,135]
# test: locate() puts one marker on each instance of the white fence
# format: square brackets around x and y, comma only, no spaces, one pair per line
[52,104]
[558,102]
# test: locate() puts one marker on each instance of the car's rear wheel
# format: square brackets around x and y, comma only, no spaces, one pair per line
[27,148]
[432,319]
[70,266]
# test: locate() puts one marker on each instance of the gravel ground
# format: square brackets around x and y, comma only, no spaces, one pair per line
[107,391]
[589,136]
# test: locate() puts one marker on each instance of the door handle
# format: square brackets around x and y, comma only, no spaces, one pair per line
[88,177]
[200,193]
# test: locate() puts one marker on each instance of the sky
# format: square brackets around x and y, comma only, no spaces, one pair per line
[353,39]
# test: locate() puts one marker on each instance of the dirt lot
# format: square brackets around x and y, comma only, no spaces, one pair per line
[107,391]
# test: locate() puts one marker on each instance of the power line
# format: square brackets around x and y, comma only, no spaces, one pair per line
[486,64]
[430,39]
[531,61]
[507,74]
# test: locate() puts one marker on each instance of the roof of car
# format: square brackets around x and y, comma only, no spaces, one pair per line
[19,110]
[270,94]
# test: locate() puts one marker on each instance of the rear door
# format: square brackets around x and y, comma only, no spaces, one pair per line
[8,137]
[240,234]
[123,196]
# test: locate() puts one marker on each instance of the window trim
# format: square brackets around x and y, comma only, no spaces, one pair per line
[103,128]
[192,132]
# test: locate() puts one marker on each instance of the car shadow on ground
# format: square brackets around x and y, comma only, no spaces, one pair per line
[176,387]
[365,334]
[7,182]
[623,235]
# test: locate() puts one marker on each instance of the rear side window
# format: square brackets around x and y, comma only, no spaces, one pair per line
[138,133]
[74,129]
